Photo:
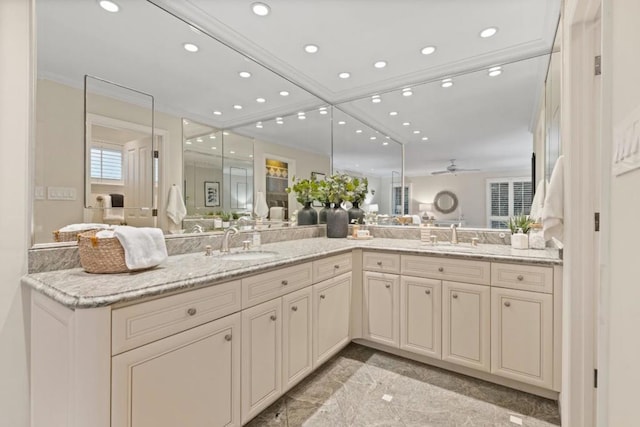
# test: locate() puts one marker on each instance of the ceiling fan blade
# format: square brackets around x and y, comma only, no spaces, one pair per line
[467,170]
[439,172]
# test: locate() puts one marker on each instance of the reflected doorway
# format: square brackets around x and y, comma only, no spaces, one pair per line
[277,180]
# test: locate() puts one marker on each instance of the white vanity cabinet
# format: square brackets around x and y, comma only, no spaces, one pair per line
[420,316]
[297,333]
[191,379]
[381,311]
[331,317]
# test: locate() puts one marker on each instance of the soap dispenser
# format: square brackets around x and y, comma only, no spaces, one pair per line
[519,240]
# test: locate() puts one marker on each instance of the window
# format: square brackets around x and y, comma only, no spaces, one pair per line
[507,197]
[106,164]
[397,208]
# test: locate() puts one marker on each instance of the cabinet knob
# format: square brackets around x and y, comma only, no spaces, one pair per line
[336,266]
[322,296]
[379,263]
[507,304]
[440,269]
[192,311]
[285,282]
[427,291]
[228,337]
[520,277]
[273,317]
[294,308]
[455,296]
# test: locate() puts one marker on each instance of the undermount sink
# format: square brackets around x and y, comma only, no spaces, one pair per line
[249,255]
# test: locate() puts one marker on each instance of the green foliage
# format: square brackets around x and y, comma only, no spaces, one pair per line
[306,190]
[225,216]
[235,215]
[520,221]
[343,187]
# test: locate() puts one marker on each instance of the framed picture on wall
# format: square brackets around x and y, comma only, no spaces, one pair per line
[211,193]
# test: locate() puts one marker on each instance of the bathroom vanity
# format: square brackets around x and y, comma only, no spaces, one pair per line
[206,341]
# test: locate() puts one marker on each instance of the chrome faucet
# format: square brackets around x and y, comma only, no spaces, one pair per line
[454,234]
[225,238]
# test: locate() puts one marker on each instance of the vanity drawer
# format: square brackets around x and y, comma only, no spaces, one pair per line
[139,324]
[380,261]
[332,266]
[266,286]
[526,277]
[456,270]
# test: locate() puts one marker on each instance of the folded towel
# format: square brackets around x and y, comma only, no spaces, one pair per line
[553,208]
[143,247]
[536,203]
[176,211]
[117,200]
[82,226]
[110,213]
[105,234]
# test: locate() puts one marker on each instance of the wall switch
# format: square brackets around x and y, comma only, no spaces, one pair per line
[61,193]
[39,192]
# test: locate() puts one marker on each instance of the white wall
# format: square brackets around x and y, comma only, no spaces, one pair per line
[470,188]
[624,308]
[15,86]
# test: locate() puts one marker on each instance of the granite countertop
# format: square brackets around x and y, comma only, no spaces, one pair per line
[76,288]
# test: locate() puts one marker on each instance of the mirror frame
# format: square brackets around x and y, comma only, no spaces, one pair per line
[440,196]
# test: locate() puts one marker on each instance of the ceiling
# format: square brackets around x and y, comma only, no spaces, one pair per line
[483,122]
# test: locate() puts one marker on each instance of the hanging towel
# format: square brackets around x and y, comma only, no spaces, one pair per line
[536,203]
[176,211]
[117,200]
[109,213]
[144,247]
[553,208]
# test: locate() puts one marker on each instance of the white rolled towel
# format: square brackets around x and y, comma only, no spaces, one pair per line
[553,208]
[144,247]
[176,210]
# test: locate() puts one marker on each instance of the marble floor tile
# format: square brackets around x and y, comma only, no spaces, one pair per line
[363,387]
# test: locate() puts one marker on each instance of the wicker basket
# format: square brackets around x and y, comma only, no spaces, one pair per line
[69,236]
[104,255]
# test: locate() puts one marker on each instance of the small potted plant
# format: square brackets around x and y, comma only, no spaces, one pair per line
[519,226]
[323,197]
[306,191]
[226,219]
[338,218]
[358,189]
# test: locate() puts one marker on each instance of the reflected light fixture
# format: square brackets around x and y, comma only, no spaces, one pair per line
[244,74]
[260,9]
[217,113]
[342,122]
[261,100]
[393,113]
[190,47]
[488,32]
[428,50]
[109,6]
[284,93]
[237,107]
[495,71]
[311,48]
[344,75]
[447,83]
[380,64]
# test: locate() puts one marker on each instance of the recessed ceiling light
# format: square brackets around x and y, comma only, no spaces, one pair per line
[260,9]
[301,113]
[237,107]
[279,122]
[322,108]
[212,137]
[302,117]
[217,113]
[385,143]
[425,138]
[393,113]
[244,74]
[344,75]
[342,122]
[488,32]
[232,152]
[376,99]
[359,131]
[372,138]
[428,50]
[495,71]
[406,124]
[416,132]
[188,142]
[259,126]
[109,6]
[447,83]
[261,100]
[407,92]
[380,64]
[199,140]
[284,93]
[323,112]
[311,48]
[190,47]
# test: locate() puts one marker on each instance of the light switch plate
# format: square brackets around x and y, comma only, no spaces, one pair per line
[61,193]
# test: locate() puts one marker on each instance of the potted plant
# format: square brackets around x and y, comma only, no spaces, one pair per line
[226,219]
[338,218]
[519,226]
[306,192]
[323,197]
[358,189]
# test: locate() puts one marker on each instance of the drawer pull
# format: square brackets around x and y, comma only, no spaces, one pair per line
[228,337]
[520,277]
[454,296]
[441,269]
[427,291]
[507,304]
[273,317]
[336,266]
[379,263]
[387,285]
[192,311]
[322,296]
[285,282]
[294,308]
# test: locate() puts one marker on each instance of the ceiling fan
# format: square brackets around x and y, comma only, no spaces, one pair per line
[453,168]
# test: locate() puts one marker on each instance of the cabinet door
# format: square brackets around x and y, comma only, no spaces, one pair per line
[261,357]
[522,336]
[420,316]
[466,325]
[188,379]
[331,314]
[381,309]
[296,337]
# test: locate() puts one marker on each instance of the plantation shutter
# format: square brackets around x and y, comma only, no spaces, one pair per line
[106,164]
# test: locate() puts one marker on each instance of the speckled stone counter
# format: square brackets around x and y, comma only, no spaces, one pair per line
[75,288]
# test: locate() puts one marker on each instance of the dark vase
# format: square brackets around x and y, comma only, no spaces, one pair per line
[307,215]
[322,215]
[356,215]
[337,222]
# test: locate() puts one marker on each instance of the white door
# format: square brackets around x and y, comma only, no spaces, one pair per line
[331,316]
[466,325]
[138,182]
[522,336]
[420,316]
[261,357]
[381,308]
[297,357]
[188,379]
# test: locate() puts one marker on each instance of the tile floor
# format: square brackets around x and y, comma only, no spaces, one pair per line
[362,387]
